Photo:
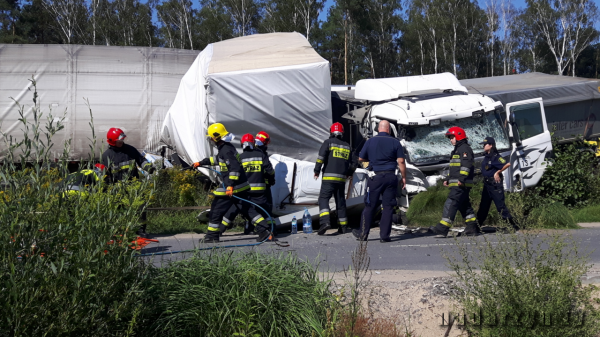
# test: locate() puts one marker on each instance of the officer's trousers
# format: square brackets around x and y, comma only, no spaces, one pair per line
[384,185]
[258,198]
[492,191]
[337,190]
[458,201]
[220,206]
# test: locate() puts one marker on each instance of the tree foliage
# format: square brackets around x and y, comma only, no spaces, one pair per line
[360,38]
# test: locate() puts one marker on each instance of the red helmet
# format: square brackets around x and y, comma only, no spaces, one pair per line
[247,140]
[457,132]
[336,127]
[113,135]
[263,137]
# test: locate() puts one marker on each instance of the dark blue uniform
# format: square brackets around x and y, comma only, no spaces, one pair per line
[382,152]
[492,190]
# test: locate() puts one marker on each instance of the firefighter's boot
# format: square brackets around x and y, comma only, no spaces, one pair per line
[440,231]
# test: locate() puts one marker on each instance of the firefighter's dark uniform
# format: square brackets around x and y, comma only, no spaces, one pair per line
[233,175]
[121,162]
[335,161]
[78,185]
[268,193]
[259,171]
[492,190]
[461,170]
[75,184]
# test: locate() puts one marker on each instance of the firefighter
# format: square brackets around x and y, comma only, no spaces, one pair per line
[262,141]
[335,161]
[493,187]
[120,159]
[235,182]
[460,181]
[121,162]
[75,183]
[260,174]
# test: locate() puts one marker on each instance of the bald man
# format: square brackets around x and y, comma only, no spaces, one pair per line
[384,154]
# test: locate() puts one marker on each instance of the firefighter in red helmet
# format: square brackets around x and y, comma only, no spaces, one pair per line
[460,181]
[120,159]
[260,174]
[335,160]
[262,141]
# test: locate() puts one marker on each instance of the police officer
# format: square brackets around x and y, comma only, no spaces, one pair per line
[335,161]
[259,171]
[384,153]
[493,187]
[460,181]
[120,159]
[235,182]
[262,141]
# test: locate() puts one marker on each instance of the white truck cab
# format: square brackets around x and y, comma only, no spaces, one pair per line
[421,109]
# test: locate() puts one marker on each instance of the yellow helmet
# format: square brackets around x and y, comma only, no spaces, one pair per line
[216,131]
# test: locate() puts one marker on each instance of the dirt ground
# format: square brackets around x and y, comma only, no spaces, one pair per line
[415,300]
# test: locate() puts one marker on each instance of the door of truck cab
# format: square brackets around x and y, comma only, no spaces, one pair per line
[531,141]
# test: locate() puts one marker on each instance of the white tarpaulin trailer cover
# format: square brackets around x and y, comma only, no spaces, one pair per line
[271,82]
[130,88]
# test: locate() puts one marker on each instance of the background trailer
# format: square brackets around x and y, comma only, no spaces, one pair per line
[128,87]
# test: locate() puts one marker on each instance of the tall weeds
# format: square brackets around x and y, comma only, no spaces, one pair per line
[65,265]
[523,286]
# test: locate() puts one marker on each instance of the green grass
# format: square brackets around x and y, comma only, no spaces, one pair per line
[238,293]
[587,214]
[426,210]
[552,215]
[173,222]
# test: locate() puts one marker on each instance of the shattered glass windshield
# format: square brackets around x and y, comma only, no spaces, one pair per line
[428,144]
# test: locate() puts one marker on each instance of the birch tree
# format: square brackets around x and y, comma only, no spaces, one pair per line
[491,13]
[507,17]
[291,16]
[70,16]
[381,26]
[177,18]
[244,14]
[566,26]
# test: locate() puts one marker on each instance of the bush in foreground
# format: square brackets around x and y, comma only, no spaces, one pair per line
[238,294]
[523,286]
[65,265]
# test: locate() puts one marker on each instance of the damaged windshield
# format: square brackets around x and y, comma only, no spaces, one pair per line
[428,144]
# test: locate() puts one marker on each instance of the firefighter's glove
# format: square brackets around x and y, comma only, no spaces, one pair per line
[229,191]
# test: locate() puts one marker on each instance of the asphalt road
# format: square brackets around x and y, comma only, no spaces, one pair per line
[333,252]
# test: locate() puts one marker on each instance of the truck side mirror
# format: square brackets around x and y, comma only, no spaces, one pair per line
[512,118]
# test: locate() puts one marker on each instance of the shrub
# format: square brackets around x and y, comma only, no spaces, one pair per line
[176,187]
[523,286]
[65,264]
[572,178]
[238,294]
